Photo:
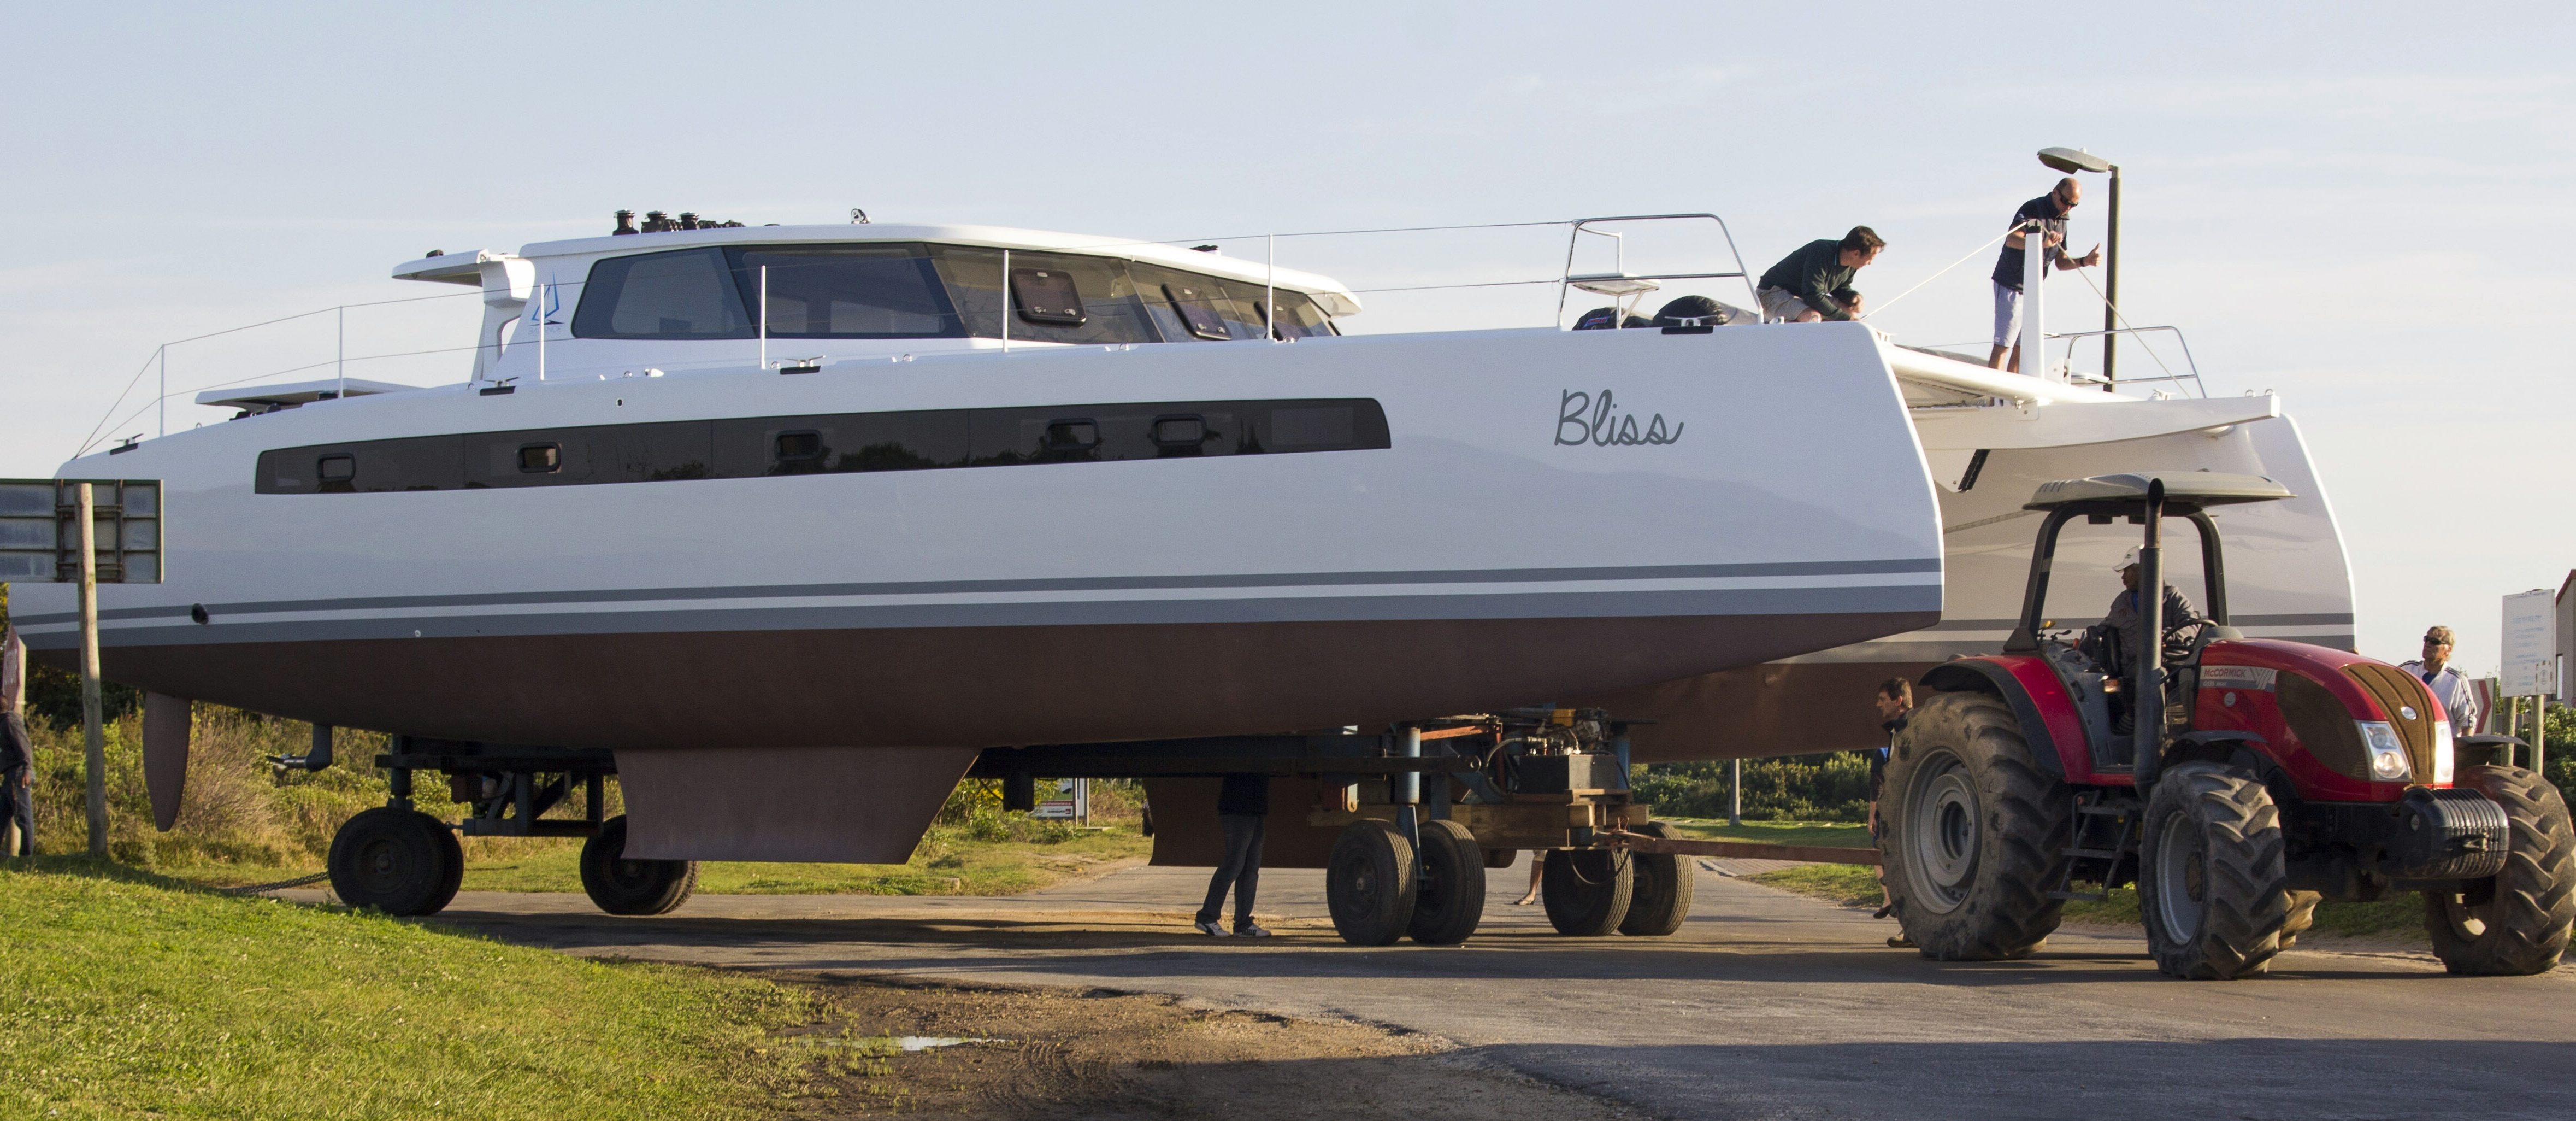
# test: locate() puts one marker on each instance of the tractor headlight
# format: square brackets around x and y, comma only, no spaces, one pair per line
[2442,753]
[2387,756]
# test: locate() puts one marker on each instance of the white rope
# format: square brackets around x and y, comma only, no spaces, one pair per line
[2123,321]
[1971,254]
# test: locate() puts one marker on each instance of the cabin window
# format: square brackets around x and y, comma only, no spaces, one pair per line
[1178,436]
[683,294]
[337,472]
[846,292]
[1070,439]
[1047,296]
[540,459]
[1055,297]
[1195,304]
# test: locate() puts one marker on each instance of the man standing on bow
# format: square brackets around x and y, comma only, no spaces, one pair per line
[2046,216]
[2449,686]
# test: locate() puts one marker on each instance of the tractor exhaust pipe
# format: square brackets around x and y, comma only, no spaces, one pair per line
[2148,721]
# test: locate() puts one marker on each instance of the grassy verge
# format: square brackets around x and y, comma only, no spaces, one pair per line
[134,995]
[949,862]
[1836,834]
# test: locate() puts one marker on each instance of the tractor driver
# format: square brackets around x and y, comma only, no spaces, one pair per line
[2126,618]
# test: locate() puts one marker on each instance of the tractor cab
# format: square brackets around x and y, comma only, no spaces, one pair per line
[2237,782]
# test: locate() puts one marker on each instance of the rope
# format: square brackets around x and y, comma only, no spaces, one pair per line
[254,889]
[1944,269]
[2123,321]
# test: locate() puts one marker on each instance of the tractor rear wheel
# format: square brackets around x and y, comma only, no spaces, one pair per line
[2517,923]
[1973,832]
[1661,896]
[1450,895]
[2213,876]
[1587,891]
[1369,883]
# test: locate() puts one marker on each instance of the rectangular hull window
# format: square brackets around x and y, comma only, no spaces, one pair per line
[836,443]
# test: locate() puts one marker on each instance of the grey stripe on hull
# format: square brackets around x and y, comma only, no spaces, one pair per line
[1908,652]
[2322,619]
[1055,584]
[1877,599]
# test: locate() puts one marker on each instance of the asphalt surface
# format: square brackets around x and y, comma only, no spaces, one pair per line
[1766,1005]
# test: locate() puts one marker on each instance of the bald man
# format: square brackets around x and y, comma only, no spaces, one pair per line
[2046,216]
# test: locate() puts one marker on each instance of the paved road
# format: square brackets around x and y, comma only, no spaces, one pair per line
[1766,1005]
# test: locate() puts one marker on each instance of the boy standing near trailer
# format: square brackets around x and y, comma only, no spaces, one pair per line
[1242,806]
[1895,703]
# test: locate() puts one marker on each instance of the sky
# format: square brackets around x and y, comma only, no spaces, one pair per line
[2359,206]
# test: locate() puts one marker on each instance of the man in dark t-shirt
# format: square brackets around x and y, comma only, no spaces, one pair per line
[1242,805]
[2046,216]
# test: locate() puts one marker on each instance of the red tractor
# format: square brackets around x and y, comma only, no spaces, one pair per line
[2236,781]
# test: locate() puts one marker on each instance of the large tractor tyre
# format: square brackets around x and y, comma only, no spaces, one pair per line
[2213,874]
[632,887]
[1369,883]
[1661,896]
[1449,895]
[2301,915]
[2518,922]
[1587,892]
[1972,832]
[399,861]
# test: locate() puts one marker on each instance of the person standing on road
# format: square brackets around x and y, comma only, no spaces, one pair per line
[2045,216]
[1538,869]
[1814,283]
[17,752]
[2449,686]
[1242,806]
[1895,706]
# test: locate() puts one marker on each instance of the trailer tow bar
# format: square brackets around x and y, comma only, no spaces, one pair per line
[1735,850]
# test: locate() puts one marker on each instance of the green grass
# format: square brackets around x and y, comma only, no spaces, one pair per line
[131,995]
[949,862]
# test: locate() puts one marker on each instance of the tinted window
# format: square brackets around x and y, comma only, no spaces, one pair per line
[1197,306]
[847,292]
[1109,310]
[750,447]
[683,294]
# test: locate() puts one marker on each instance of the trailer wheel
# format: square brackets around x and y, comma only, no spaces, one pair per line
[1661,898]
[2517,923]
[1449,896]
[1369,885]
[1973,833]
[2213,881]
[632,887]
[1587,891]
[399,861]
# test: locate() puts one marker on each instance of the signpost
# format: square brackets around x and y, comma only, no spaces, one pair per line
[88,531]
[2530,664]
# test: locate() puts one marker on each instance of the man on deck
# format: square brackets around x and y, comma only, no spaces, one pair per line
[1814,283]
[2045,215]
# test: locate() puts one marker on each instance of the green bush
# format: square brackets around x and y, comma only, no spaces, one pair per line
[1832,786]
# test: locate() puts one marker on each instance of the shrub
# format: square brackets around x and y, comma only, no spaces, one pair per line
[1833,786]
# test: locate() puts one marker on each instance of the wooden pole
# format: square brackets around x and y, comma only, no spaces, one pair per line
[94,759]
[1735,792]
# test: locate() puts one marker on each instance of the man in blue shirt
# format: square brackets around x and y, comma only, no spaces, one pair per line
[2046,216]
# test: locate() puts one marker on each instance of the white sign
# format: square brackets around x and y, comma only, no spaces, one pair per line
[2530,664]
[1054,809]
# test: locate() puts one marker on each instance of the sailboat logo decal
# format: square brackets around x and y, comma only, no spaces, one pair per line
[1593,418]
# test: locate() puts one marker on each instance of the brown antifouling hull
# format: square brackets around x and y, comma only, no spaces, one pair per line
[971,686]
[1753,711]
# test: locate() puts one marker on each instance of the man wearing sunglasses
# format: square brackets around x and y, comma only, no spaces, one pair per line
[2046,216]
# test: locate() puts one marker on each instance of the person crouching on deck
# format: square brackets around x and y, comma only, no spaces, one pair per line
[1814,283]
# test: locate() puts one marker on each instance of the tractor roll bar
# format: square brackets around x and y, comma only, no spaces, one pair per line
[2213,564]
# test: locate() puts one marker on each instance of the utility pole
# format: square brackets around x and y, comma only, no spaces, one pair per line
[1735,792]
[94,759]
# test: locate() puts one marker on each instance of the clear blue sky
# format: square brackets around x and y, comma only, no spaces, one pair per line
[2362,206]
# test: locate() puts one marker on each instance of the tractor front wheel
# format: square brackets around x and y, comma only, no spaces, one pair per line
[1973,833]
[2518,922]
[2213,877]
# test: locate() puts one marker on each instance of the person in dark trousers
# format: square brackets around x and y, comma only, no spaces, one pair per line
[1241,808]
[2045,216]
[1814,283]
[17,753]
[1895,705]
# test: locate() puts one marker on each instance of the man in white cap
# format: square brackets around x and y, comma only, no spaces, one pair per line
[2449,685]
[2127,615]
